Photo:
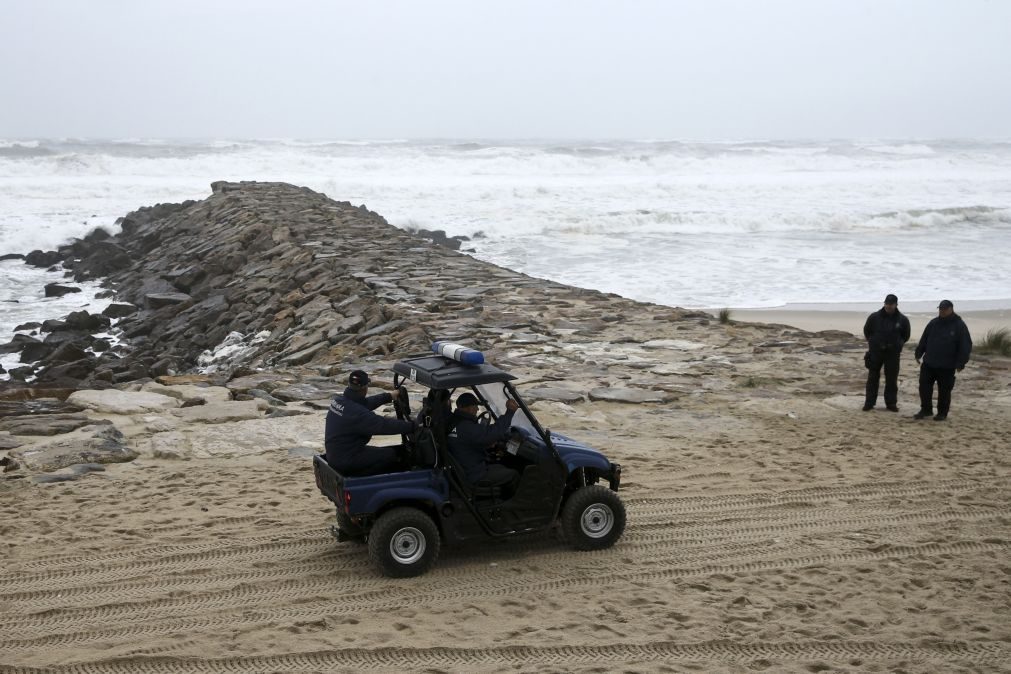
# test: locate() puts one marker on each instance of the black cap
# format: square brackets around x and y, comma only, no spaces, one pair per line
[891,299]
[466,400]
[359,379]
[945,304]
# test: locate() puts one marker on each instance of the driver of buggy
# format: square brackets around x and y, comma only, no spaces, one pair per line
[469,441]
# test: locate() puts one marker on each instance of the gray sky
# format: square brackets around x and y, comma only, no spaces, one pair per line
[706,69]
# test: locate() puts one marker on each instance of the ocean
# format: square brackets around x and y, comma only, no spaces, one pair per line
[691,224]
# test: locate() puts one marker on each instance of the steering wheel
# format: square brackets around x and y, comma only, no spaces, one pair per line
[484,418]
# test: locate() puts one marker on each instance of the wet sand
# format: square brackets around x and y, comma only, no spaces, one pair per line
[849,319]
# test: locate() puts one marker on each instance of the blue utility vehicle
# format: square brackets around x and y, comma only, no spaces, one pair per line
[404,517]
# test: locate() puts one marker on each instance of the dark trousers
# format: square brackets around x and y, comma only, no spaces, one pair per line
[945,378]
[370,461]
[890,361]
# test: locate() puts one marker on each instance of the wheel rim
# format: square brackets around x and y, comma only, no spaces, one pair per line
[597,520]
[407,545]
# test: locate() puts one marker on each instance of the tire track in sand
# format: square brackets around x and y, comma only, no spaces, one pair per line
[393,597]
[460,659]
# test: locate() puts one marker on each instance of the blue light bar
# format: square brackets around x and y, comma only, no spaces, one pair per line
[459,353]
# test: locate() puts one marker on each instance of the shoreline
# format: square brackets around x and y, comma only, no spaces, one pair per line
[980,316]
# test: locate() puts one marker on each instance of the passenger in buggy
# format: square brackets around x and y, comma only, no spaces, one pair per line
[350,425]
[469,442]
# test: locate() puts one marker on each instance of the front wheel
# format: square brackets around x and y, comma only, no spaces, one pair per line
[404,542]
[593,518]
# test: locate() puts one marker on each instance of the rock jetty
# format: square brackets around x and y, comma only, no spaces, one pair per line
[283,276]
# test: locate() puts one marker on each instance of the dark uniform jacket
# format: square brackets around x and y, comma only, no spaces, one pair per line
[945,343]
[886,332]
[351,423]
[469,439]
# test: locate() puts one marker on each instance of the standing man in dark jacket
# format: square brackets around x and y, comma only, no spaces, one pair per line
[350,425]
[469,442]
[944,347]
[886,331]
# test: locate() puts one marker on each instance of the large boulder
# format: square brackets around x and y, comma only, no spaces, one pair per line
[101,259]
[59,290]
[44,259]
[46,424]
[82,320]
[206,394]
[219,412]
[114,401]
[119,309]
[86,445]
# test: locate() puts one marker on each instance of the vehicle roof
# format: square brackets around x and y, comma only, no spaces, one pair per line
[435,371]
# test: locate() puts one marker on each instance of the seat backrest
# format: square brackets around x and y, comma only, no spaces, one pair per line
[426,454]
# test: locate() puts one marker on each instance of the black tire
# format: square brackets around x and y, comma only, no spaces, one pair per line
[593,518]
[349,528]
[404,542]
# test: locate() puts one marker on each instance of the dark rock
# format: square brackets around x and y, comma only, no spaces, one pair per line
[118,310]
[21,373]
[438,237]
[101,259]
[305,355]
[82,320]
[32,325]
[158,300]
[38,258]
[11,256]
[64,336]
[52,325]
[40,405]
[67,375]
[18,344]
[185,279]
[134,371]
[57,290]
[35,352]
[164,366]
[64,353]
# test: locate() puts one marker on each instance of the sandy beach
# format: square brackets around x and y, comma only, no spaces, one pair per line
[772,527]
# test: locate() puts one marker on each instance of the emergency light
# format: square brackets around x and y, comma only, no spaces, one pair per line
[459,353]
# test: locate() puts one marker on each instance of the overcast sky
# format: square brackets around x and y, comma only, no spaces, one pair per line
[706,69]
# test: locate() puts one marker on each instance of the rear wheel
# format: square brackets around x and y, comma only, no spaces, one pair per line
[593,518]
[404,542]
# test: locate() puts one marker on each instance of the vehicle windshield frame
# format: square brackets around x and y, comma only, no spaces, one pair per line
[495,394]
